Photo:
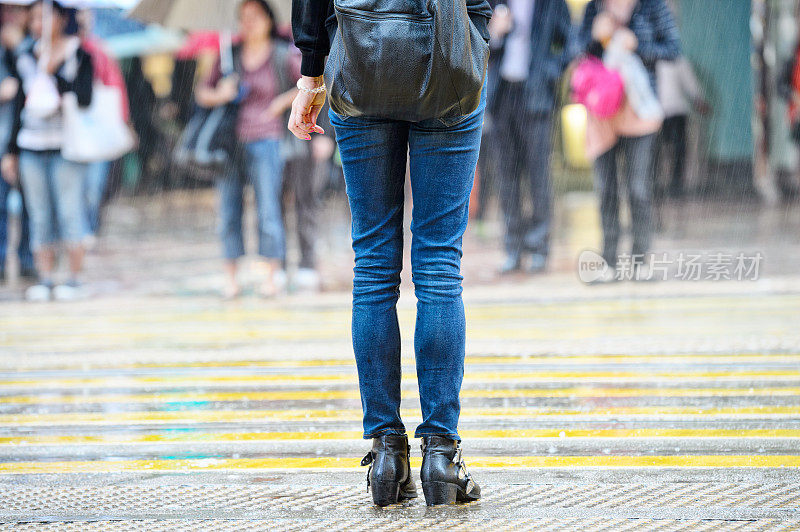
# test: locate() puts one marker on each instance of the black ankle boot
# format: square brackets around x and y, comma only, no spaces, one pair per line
[444,475]
[389,474]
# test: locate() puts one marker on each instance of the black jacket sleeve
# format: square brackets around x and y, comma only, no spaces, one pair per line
[11,62]
[84,79]
[311,37]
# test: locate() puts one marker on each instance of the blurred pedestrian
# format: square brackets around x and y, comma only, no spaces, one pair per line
[50,66]
[532,43]
[679,93]
[647,29]
[12,33]
[488,175]
[264,84]
[15,29]
[380,66]
[305,177]
[106,72]
[791,89]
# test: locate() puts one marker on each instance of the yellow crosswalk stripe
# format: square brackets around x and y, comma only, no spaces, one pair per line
[702,374]
[588,307]
[537,359]
[521,330]
[256,416]
[241,437]
[495,462]
[308,395]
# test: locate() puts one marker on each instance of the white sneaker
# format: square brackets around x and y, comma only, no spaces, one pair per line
[68,292]
[307,280]
[280,279]
[38,293]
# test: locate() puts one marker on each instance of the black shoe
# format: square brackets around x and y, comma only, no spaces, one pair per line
[444,475]
[512,264]
[389,473]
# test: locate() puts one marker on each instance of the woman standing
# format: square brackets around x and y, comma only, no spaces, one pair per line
[262,63]
[443,154]
[47,68]
[646,28]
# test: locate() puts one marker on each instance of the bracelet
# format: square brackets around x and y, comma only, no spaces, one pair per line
[315,90]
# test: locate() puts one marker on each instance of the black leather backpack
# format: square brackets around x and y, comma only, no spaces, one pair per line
[405,59]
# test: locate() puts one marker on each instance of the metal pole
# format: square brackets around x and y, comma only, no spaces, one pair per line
[226,52]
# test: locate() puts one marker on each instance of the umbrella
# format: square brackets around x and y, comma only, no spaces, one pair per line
[150,40]
[124,37]
[193,15]
[80,4]
[190,15]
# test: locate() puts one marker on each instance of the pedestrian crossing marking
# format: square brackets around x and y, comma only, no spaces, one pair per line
[257,416]
[471,360]
[660,375]
[196,436]
[310,395]
[499,462]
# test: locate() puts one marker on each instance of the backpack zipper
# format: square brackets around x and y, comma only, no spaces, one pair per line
[372,15]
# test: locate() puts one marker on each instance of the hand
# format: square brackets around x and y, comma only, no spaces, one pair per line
[8,89]
[501,22]
[603,28]
[9,167]
[228,89]
[627,39]
[306,108]
[11,36]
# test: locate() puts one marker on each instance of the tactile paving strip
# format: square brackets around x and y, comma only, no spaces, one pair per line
[394,524]
[45,503]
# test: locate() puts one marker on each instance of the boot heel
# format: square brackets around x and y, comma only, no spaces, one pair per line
[385,493]
[439,493]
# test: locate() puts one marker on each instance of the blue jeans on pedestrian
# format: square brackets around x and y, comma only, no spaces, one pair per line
[260,164]
[93,191]
[443,157]
[53,190]
[24,246]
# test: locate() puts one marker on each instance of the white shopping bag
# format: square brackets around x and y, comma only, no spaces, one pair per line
[97,132]
[640,94]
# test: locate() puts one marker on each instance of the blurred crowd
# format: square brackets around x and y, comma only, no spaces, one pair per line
[227,109]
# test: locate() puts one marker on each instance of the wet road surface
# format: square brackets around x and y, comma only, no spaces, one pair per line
[669,406]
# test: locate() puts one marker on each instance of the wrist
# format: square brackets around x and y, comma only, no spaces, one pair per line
[311,85]
[311,82]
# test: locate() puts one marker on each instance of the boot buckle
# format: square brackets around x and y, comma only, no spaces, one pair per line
[462,468]
[367,460]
